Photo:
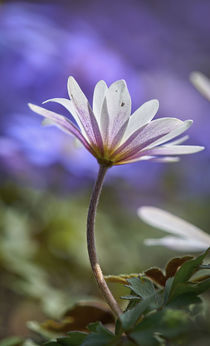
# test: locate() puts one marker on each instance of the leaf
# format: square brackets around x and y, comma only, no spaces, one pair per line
[201,278]
[99,335]
[73,339]
[141,286]
[130,317]
[183,300]
[167,289]
[121,278]
[168,323]
[190,288]
[98,327]
[156,275]
[151,298]
[187,270]
[174,264]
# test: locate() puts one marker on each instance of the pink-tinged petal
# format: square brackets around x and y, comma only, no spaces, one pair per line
[142,116]
[145,136]
[170,223]
[68,104]
[178,244]
[141,157]
[104,123]
[98,99]
[174,150]
[119,109]
[172,134]
[165,159]
[202,83]
[63,123]
[85,113]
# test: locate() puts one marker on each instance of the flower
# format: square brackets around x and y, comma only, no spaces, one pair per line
[187,237]
[109,132]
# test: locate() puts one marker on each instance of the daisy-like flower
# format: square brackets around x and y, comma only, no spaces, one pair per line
[109,131]
[186,237]
[115,137]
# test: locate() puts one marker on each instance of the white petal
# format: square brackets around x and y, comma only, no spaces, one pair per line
[119,107]
[166,159]
[149,158]
[140,117]
[178,141]
[172,134]
[174,150]
[84,112]
[98,98]
[172,224]
[145,136]
[176,243]
[68,104]
[61,122]
[202,83]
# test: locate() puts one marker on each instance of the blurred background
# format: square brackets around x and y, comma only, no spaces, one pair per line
[46,180]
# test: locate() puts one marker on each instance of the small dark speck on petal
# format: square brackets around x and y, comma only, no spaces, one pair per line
[122,104]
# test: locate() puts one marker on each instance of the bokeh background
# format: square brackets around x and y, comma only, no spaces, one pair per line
[46,179]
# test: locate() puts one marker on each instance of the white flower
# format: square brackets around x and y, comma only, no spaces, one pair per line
[187,237]
[111,133]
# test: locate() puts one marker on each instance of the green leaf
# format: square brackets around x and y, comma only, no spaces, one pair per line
[99,336]
[98,327]
[187,270]
[167,289]
[168,323]
[184,300]
[73,339]
[130,317]
[151,299]
[141,286]
[190,288]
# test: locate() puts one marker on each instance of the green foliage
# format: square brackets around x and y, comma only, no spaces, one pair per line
[156,314]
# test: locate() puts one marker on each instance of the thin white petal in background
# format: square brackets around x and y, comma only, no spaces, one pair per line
[202,83]
[187,235]
[176,243]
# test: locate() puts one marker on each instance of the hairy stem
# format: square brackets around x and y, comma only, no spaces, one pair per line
[91,243]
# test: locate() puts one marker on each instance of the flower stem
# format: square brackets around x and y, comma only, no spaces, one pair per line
[91,243]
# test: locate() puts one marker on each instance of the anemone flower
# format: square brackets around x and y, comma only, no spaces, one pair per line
[186,236]
[109,132]
[114,137]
